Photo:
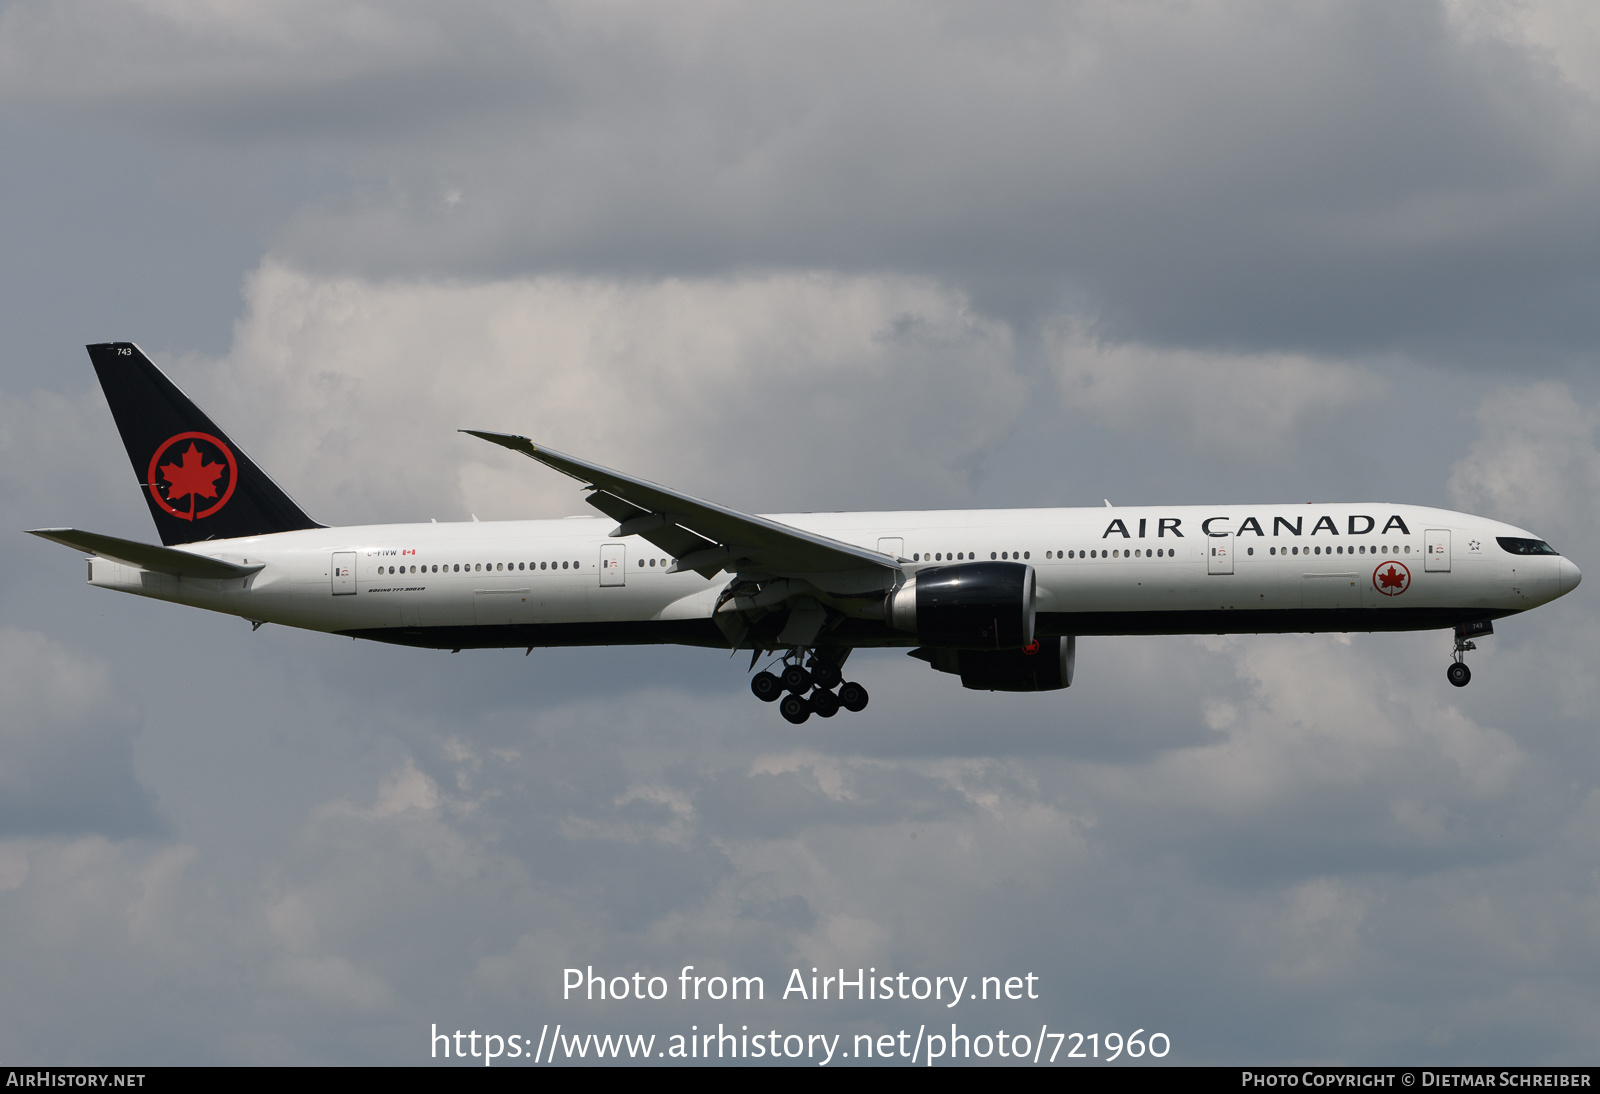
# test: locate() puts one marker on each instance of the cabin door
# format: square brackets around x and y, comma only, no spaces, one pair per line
[1436,544]
[344,573]
[1219,554]
[613,568]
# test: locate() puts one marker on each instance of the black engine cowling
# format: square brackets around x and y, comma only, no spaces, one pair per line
[1047,668]
[977,605]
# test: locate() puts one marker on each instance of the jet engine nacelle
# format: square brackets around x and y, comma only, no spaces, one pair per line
[1047,668]
[975,605]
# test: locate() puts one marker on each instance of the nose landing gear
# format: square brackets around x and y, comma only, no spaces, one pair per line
[820,677]
[1458,673]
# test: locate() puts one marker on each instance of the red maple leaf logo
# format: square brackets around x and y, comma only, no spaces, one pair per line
[193,477]
[1391,578]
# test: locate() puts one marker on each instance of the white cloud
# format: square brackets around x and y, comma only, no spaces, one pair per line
[1228,404]
[1566,32]
[1534,462]
[765,391]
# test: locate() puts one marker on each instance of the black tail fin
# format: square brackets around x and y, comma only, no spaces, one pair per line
[198,483]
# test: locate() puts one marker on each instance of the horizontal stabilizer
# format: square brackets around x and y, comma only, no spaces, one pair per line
[162,560]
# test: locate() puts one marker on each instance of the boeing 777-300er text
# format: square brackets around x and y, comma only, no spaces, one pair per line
[997,597]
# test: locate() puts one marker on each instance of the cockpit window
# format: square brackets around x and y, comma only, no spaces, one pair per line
[1525,546]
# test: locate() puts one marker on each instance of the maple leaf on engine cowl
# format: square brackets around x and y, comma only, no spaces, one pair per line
[193,477]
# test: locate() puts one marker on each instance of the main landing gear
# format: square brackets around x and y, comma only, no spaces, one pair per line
[821,678]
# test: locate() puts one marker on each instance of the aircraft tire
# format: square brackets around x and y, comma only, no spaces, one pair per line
[825,703]
[766,687]
[825,675]
[1458,674]
[853,697]
[795,708]
[796,679]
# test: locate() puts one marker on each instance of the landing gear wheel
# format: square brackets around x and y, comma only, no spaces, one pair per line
[825,675]
[796,679]
[853,697]
[766,686]
[795,708]
[1458,674]
[825,703]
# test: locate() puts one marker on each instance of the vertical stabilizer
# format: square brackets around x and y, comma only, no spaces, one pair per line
[197,482]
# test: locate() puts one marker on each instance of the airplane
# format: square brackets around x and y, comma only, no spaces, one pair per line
[996,597]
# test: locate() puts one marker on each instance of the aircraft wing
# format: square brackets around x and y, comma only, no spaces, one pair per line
[164,560]
[703,536]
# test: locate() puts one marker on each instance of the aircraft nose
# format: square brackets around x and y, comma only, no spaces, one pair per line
[1570,576]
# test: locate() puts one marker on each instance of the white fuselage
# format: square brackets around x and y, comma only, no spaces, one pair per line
[1177,569]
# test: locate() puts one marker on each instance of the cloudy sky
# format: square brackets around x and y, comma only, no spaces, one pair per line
[815,256]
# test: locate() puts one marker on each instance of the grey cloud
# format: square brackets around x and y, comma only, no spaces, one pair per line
[1340,178]
[849,239]
[522,831]
[773,804]
[66,762]
[436,833]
